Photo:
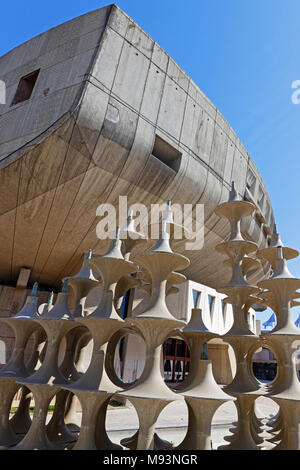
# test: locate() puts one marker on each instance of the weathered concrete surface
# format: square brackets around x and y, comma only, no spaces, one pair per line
[86,136]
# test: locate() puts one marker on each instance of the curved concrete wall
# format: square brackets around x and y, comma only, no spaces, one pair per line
[99,146]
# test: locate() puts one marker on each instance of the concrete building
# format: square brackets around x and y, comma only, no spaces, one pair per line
[95,109]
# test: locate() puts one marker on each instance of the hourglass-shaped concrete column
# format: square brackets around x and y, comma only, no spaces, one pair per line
[259,431]
[8,389]
[104,321]
[23,327]
[21,420]
[291,435]
[71,417]
[280,290]
[242,439]
[203,396]
[150,394]
[245,389]
[82,283]
[56,323]
[174,279]
[148,411]
[234,210]
[36,438]
[236,248]
[92,404]
[56,429]
[285,389]
[160,261]
[13,370]
[95,386]
[45,382]
[241,295]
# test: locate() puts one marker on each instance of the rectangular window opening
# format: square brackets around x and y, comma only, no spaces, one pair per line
[25,87]
[260,198]
[166,154]
[251,181]
[196,298]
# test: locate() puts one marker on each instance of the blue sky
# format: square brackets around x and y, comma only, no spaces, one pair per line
[244,55]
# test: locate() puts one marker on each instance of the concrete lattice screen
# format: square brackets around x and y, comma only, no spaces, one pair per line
[154,270]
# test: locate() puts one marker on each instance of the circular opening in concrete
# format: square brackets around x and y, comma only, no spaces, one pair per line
[223,424]
[121,424]
[129,357]
[264,365]
[171,425]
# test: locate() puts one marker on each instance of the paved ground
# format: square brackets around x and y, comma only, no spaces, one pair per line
[172,422]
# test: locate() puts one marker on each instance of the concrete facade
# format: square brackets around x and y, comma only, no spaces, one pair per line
[104,94]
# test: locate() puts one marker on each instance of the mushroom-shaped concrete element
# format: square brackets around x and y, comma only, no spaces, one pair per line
[45,382]
[150,394]
[130,236]
[172,225]
[237,290]
[280,291]
[23,327]
[203,396]
[82,283]
[94,389]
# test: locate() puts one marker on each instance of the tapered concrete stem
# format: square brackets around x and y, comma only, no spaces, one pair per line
[36,438]
[16,365]
[49,371]
[8,389]
[242,439]
[21,421]
[291,436]
[200,414]
[101,330]
[91,402]
[148,411]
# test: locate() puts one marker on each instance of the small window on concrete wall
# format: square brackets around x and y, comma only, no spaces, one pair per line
[251,181]
[260,198]
[25,87]
[166,153]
